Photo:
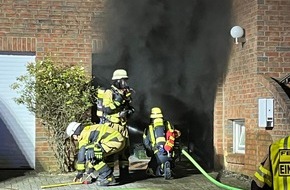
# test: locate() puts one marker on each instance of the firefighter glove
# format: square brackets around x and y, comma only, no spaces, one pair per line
[94,155]
[98,154]
[90,154]
[118,98]
[123,114]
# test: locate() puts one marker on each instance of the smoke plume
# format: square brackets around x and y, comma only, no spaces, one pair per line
[175,53]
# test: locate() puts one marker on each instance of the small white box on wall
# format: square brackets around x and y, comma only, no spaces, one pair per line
[266,112]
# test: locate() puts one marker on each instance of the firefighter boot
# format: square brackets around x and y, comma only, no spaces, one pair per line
[106,177]
[109,180]
[150,172]
[124,175]
[167,170]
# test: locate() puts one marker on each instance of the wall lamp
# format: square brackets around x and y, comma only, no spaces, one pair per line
[238,34]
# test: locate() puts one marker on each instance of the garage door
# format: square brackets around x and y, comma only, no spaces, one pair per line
[17,124]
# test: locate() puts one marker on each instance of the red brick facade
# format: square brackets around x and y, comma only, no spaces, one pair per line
[61,29]
[265,54]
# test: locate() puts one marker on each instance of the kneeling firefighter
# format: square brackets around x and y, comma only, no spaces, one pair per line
[96,142]
[158,140]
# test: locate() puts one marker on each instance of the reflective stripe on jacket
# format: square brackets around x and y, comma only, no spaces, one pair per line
[83,139]
[99,103]
[111,107]
[109,139]
[99,136]
[154,136]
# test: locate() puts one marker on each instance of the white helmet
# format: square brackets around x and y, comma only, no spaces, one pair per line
[71,128]
[119,74]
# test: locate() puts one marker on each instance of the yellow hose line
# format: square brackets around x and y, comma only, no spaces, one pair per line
[206,175]
[60,184]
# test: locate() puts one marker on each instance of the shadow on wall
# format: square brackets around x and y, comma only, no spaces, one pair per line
[11,156]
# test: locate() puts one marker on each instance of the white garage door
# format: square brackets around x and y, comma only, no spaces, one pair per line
[17,125]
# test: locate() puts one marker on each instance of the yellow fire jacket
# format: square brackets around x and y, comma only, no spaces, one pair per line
[110,140]
[114,101]
[274,171]
[154,135]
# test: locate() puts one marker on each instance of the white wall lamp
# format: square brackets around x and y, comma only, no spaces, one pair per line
[238,34]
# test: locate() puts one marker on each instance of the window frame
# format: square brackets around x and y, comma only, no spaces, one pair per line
[239,136]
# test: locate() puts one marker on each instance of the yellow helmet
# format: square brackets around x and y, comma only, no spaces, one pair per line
[119,74]
[156,113]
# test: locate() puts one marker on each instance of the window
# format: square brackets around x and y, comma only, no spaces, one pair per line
[239,136]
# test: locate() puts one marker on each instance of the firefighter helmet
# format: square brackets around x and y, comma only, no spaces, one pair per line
[71,128]
[119,74]
[156,113]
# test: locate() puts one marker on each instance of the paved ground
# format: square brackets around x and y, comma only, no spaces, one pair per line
[187,178]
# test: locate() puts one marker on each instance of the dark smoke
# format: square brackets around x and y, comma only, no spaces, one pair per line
[175,53]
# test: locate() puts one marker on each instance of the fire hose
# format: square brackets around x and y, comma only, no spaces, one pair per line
[68,183]
[217,183]
[60,185]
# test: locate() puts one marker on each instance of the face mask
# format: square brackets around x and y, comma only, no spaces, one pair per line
[122,84]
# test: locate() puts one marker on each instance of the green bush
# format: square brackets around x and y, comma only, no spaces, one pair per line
[57,95]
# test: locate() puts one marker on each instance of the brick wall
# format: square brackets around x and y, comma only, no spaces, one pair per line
[64,30]
[234,98]
[23,44]
[273,42]
[265,54]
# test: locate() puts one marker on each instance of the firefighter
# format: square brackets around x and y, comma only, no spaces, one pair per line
[159,140]
[117,109]
[96,142]
[273,172]
[99,104]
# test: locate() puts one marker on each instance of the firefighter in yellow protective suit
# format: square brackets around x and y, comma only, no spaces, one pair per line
[99,104]
[274,171]
[116,111]
[159,140]
[96,142]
